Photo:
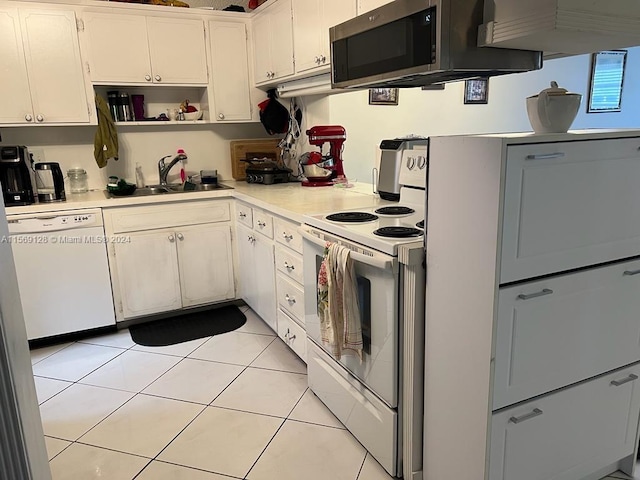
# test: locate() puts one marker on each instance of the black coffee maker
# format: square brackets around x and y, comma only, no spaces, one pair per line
[16,176]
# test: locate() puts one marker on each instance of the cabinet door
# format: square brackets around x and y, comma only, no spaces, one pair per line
[15,97]
[148,280]
[262,47]
[265,278]
[53,61]
[247,274]
[307,33]
[206,264]
[281,39]
[118,48]
[570,434]
[565,329]
[569,205]
[230,71]
[177,49]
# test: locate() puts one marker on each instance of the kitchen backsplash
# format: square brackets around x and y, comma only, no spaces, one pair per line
[206,148]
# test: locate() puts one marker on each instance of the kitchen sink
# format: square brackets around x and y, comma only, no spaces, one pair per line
[173,188]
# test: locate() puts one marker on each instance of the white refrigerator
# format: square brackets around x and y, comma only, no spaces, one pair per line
[23,453]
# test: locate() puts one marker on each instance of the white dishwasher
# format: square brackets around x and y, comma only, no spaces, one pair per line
[62,270]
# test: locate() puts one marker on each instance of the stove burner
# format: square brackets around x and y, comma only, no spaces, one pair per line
[395,211]
[352,217]
[420,224]
[398,232]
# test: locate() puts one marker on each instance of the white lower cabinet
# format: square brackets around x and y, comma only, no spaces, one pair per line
[165,270]
[569,434]
[257,273]
[293,335]
[565,329]
[186,260]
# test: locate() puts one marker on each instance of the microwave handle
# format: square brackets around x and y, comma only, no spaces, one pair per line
[358,257]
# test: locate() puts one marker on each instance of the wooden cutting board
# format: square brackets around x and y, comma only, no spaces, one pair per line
[247,149]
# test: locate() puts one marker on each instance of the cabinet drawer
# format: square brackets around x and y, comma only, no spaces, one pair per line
[291,298]
[570,205]
[244,214]
[286,233]
[130,219]
[562,330]
[569,434]
[263,222]
[293,335]
[289,263]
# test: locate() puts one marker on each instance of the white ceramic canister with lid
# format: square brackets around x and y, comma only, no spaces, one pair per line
[77,180]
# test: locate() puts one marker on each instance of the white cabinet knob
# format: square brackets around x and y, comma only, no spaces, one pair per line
[171,238]
[288,238]
[39,118]
[261,224]
[147,78]
[243,215]
[180,236]
[158,78]
[289,299]
[323,59]
[317,60]
[289,267]
[28,118]
[221,116]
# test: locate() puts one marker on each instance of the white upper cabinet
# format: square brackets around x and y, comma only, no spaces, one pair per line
[312,21]
[41,75]
[273,42]
[143,49]
[230,71]
[365,6]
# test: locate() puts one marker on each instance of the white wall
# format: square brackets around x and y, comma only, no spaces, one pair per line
[443,112]
[206,146]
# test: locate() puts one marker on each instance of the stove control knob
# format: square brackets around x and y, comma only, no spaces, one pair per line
[259,179]
[249,178]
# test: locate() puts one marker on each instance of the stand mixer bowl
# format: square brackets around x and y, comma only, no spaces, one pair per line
[315,173]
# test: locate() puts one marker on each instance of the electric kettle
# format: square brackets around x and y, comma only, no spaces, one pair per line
[553,110]
[49,182]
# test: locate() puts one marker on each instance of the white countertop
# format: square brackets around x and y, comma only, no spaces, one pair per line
[290,200]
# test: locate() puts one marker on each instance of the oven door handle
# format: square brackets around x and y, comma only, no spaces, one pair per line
[358,257]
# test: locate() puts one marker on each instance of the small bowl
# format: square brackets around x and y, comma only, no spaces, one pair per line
[193,115]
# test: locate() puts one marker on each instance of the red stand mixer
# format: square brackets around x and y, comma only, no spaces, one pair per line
[320,170]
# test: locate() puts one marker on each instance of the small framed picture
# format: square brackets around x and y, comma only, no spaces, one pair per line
[607,80]
[476,91]
[383,96]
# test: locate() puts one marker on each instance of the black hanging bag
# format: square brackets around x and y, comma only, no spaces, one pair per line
[273,115]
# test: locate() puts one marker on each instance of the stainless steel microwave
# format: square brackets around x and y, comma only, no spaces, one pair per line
[411,43]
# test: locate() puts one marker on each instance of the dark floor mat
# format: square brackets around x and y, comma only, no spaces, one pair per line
[188,326]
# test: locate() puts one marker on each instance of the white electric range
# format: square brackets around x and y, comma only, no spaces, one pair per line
[379,399]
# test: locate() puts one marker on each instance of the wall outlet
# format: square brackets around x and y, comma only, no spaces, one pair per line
[37,153]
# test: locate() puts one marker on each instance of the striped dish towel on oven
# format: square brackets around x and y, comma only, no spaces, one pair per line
[338,308]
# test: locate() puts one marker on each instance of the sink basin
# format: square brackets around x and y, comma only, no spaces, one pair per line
[175,188]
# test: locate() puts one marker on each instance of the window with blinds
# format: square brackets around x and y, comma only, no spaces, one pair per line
[607,79]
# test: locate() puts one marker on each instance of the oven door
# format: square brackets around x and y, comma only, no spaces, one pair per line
[377,276]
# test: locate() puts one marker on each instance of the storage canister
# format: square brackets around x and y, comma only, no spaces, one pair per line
[77,180]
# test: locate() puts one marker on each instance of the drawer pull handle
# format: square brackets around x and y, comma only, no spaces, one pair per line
[171,238]
[289,267]
[243,215]
[536,412]
[180,236]
[631,273]
[545,156]
[287,237]
[544,292]
[261,224]
[289,299]
[288,335]
[630,378]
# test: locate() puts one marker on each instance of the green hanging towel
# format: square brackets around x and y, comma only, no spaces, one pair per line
[105,143]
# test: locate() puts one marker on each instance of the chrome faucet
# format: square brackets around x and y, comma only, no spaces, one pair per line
[163,170]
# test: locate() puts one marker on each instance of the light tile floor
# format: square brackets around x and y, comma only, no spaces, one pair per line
[233,406]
